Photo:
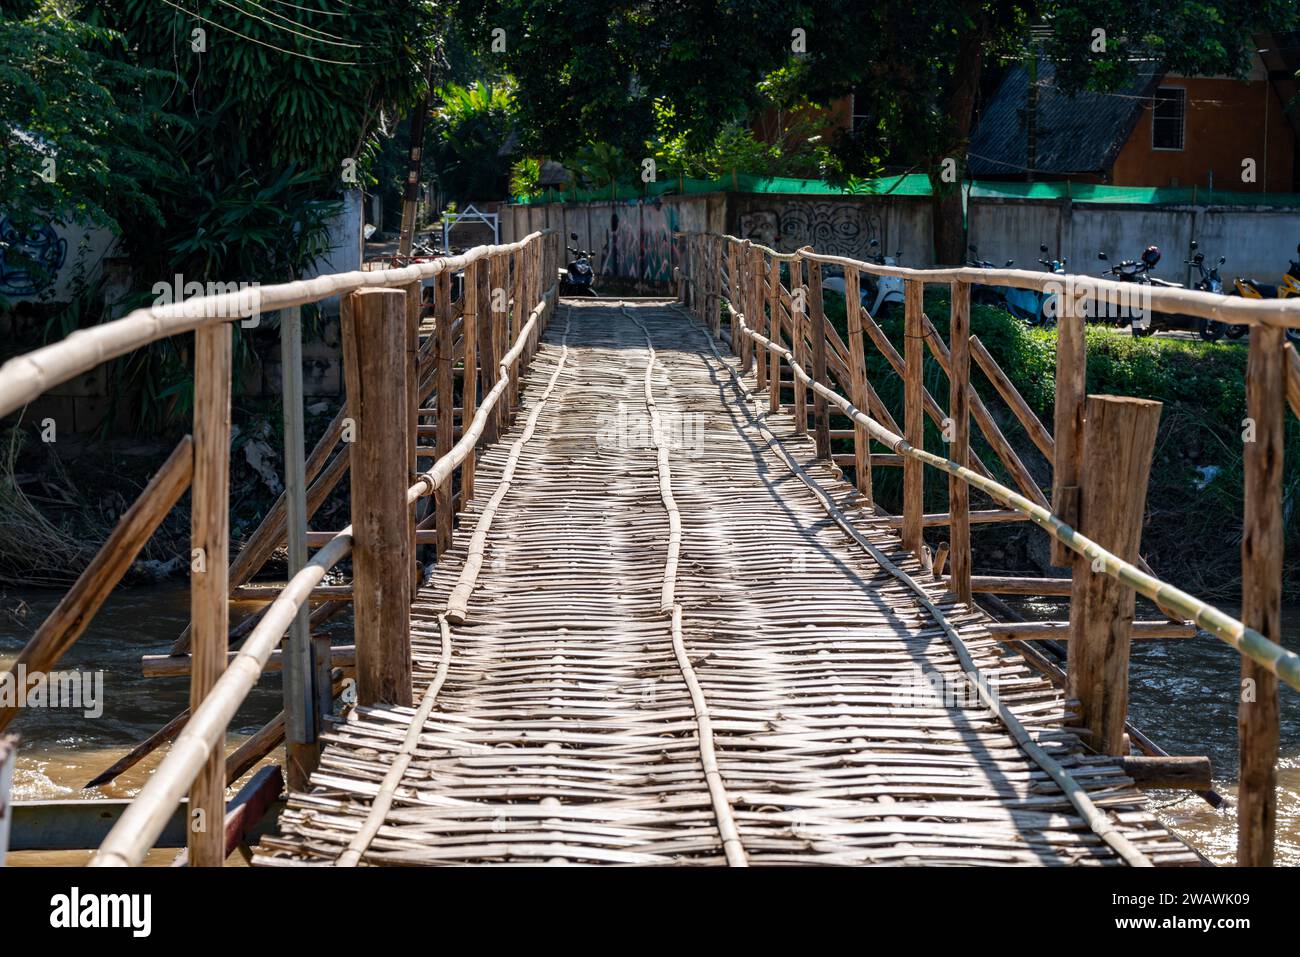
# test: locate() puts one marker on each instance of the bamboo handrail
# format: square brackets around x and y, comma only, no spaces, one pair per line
[1234,310]
[141,823]
[25,377]
[1249,642]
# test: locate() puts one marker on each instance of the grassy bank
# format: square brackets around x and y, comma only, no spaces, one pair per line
[1193,529]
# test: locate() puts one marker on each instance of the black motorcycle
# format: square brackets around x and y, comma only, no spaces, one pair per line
[1209,281]
[578,278]
[1141,320]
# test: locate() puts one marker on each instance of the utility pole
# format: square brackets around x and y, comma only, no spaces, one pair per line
[412,191]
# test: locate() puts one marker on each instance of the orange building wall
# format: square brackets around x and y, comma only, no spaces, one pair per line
[1225,123]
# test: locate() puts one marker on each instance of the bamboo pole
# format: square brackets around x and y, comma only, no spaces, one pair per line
[68,621]
[959,410]
[210,545]
[758,300]
[858,395]
[798,326]
[984,419]
[774,330]
[817,333]
[374,353]
[1120,436]
[913,414]
[469,384]
[1015,401]
[446,413]
[1071,376]
[1262,547]
[1292,378]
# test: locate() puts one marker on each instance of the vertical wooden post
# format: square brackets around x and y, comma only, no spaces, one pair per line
[444,439]
[1071,375]
[798,320]
[1120,435]
[469,383]
[1261,597]
[715,317]
[913,414]
[301,719]
[959,448]
[517,314]
[758,301]
[747,304]
[774,333]
[733,292]
[414,305]
[209,576]
[817,333]
[499,270]
[486,341]
[858,377]
[374,365]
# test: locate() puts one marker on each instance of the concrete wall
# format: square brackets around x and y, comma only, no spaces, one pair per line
[630,239]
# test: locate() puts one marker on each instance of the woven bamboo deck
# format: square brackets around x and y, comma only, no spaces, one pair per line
[573,722]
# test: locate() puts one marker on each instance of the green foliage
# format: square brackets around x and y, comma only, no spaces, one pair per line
[525,178]
[471,127]
[76,142]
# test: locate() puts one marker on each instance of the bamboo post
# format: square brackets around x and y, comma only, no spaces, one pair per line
[375,369]
[443,440]
[1119,437]
[774,333]
[959,448]
[498,272]
[469,382]
[1067,430]
[913,415]
[1261,573]
[747,349]
[798,320]
[758,300]
[209,576]
[858,377]
[414,399]
[517,313]
[486,341]
[302,723]
[733,297]
[715,316]
[817,333]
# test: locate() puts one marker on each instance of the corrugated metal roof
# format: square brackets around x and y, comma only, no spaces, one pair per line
[1082,133]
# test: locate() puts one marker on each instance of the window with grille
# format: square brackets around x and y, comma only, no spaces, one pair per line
[1168,120]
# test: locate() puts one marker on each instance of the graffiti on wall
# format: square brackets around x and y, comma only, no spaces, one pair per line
[838,229]
[30,261]
[638,241]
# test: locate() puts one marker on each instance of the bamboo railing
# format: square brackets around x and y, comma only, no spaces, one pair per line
[390,375]
[776,327]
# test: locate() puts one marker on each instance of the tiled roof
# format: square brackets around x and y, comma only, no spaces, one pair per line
[1082,133]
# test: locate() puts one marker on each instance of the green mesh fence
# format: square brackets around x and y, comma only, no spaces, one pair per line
[918,184]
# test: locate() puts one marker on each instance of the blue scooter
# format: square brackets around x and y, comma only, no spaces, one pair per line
[1029,305]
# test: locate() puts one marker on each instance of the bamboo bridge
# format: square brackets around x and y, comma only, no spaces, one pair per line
[667,622]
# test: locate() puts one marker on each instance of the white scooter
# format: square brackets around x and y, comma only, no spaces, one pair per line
[876,292]
[889,289]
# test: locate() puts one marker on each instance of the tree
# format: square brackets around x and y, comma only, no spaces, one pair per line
[914,67]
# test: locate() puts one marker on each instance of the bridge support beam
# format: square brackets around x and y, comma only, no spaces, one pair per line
[374,357]
[1119,437]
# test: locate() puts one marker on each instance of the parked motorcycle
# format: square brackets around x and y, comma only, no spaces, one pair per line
[1031,306]
[1251,289]
[1143,322]
[577,278]
[876,293]
[1209,281]
[885,291]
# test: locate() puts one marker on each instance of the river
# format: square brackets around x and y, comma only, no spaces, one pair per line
[1184,696]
